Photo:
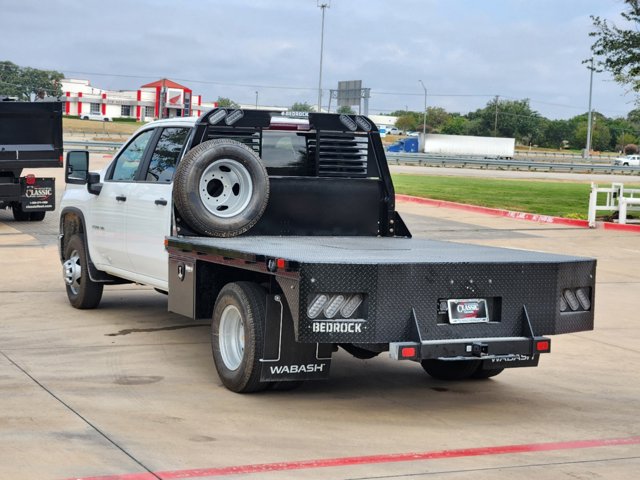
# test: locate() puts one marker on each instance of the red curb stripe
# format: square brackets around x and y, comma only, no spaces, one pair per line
[532,217]
[372,459]
[621,227]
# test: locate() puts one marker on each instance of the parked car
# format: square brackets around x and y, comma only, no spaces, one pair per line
[628,161]
[96,116]
[394,131]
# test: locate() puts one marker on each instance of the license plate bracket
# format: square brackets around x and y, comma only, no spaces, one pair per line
[467,310]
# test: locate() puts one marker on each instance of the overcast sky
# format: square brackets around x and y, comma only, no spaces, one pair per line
[465,51]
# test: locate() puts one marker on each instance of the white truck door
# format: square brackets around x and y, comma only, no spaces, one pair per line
[149,207]
[106,229]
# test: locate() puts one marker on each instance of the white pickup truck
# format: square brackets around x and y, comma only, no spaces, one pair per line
[283,231]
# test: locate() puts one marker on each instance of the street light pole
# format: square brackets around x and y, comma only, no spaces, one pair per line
[588,152]
[424,117]
[323,6]
[256,99]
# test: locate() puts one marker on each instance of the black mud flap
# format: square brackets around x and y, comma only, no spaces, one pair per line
[510,361]
[37,194]
[284,358]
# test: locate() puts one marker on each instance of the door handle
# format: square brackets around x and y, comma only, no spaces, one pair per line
[160,201]
[121,198]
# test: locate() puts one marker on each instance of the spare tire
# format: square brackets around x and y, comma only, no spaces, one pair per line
[221,188]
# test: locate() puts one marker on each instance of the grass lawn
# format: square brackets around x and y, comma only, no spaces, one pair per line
[99,128]
[561,199]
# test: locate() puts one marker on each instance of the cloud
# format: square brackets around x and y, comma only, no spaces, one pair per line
[465,51]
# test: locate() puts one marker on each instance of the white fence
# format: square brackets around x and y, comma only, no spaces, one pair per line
[617,199]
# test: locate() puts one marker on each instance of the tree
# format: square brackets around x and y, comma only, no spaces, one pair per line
[23,82]
[600,133]
[515,118]
[437,117]
[455,125]
[556,133]
[227,102]
[406,122]
[346,110]
[617,50]
[301,107]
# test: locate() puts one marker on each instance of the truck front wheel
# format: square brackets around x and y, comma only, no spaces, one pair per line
[83,293]
[237,336]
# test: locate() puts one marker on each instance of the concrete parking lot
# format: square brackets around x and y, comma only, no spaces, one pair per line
[129,391]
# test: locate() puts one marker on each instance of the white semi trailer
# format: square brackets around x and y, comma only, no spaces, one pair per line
[491,147]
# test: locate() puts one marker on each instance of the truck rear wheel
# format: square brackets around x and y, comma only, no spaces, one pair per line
[482,374]
[237,336]
[83,293]
[36,216]
[451,369]
[19,215]
[221,188]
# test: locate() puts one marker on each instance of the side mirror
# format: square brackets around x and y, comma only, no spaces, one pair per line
[93,183]
[77,167]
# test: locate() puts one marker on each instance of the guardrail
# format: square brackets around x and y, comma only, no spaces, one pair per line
[529,164]
[501,164]
[92,146]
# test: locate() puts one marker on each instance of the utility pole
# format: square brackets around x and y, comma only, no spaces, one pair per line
[256,99]
[323,6]
[424,116]
[163,98]
[495,122]
[588,152]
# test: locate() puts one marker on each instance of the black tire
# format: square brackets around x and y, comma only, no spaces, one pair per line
[481,374]
[358,352]
[237,336]
[285,386]
[83,293]
[450,370]
[36,216]
[19,215]
[625,164]
[221,188]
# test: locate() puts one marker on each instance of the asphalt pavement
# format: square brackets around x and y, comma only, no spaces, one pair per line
[129,392]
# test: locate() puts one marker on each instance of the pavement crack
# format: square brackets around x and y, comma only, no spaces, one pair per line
[127,331]
[80,416]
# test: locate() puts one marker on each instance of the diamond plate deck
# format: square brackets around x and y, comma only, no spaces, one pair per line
[365,250]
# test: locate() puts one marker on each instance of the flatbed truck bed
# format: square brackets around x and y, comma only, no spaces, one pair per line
[429,299]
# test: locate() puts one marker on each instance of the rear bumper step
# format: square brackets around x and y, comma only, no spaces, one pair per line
[499,350]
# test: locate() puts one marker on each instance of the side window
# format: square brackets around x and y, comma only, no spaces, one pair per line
[129,159]
[165,156]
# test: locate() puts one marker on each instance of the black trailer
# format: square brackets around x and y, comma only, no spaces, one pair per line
[30,137]
[329,263]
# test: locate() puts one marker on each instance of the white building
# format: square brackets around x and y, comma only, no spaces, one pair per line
[144,104]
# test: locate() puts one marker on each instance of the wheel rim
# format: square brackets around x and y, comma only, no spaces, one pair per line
[231,337]
[225,188]
[72,272]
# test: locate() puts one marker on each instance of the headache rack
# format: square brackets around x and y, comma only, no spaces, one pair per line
[346,146]
[341,186]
